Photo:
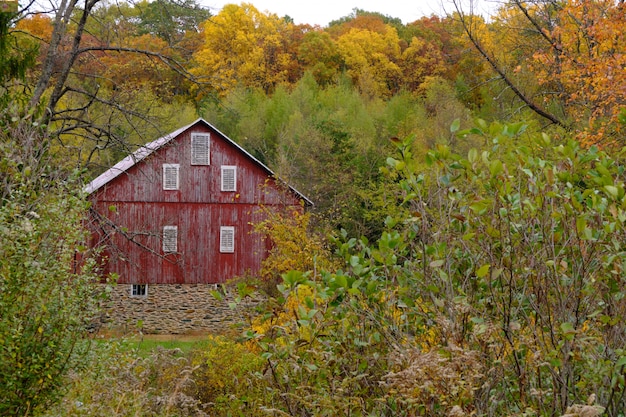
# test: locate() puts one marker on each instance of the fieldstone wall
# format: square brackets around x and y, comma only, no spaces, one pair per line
[172,309]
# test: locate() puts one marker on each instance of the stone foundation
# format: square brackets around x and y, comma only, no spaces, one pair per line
[173,309]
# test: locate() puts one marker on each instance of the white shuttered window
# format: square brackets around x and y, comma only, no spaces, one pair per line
[227,239]
[170,239]
[200,154]
[170,176]
[229,178]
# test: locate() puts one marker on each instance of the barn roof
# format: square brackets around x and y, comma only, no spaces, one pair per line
[149,148]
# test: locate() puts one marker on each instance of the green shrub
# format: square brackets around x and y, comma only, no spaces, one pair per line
[45,305]
[497,291]
[519,249]
[228,378]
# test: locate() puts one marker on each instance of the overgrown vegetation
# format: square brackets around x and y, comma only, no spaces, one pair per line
[495,289]
[456,269]
[47,302]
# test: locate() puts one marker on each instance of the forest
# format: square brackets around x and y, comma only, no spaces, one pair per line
[466,253]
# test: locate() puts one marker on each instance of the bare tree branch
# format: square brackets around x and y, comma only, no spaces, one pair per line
[61,20]
[466,22]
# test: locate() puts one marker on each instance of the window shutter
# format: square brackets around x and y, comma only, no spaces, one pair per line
[227,239]
[200,149]
[170,176]
[229,178]
[170,239]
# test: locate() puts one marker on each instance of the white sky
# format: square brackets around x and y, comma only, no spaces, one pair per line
[321,12]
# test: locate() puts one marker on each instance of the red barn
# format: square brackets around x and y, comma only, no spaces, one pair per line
[176,218]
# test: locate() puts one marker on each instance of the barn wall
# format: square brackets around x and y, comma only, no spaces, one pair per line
[173,309]
[133,209]
[134,245]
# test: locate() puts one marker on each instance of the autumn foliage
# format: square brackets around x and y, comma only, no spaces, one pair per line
[465,253]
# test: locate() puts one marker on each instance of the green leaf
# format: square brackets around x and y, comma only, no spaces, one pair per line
[622,116]
[456,124]
[480,207]
[437,264]
[581,225]
[496,167]
[472,155]
[483,271]
[612,190]
[568,331]
[620,362]
[341,281]
[468,236]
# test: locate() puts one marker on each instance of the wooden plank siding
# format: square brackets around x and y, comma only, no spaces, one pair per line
[131,208]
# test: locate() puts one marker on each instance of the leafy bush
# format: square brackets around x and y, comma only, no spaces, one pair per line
[47,302]
[498,291]
[326,344]
[519,249]
[228,378]
[294,246]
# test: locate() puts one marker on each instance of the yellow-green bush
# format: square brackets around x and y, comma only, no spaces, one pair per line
[228,378]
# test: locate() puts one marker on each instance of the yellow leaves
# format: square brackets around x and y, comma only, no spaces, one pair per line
[590,41]
[38,25]
[420,60]
[243,45]
[365,51]
[294,248]
[299,304]
[564,57]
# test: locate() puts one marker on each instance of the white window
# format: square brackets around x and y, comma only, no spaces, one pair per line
[170,176]
[170,239]
[227,239]
[139,290]
[200,154]
[229,178]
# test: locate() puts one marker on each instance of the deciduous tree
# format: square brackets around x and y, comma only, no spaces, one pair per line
[371,60]
[245,46]
[563,60]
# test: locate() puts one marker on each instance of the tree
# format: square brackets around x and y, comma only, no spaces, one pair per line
[560,60]
[13,62]
[418,61]
[47,300]
[247,47]
[371,60]
[320,55]
[171,20]
[362,19]
[66,91]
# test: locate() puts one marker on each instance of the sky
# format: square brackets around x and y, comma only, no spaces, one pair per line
[321,12]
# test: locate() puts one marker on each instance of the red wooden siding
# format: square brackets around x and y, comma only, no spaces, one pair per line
[132,208]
